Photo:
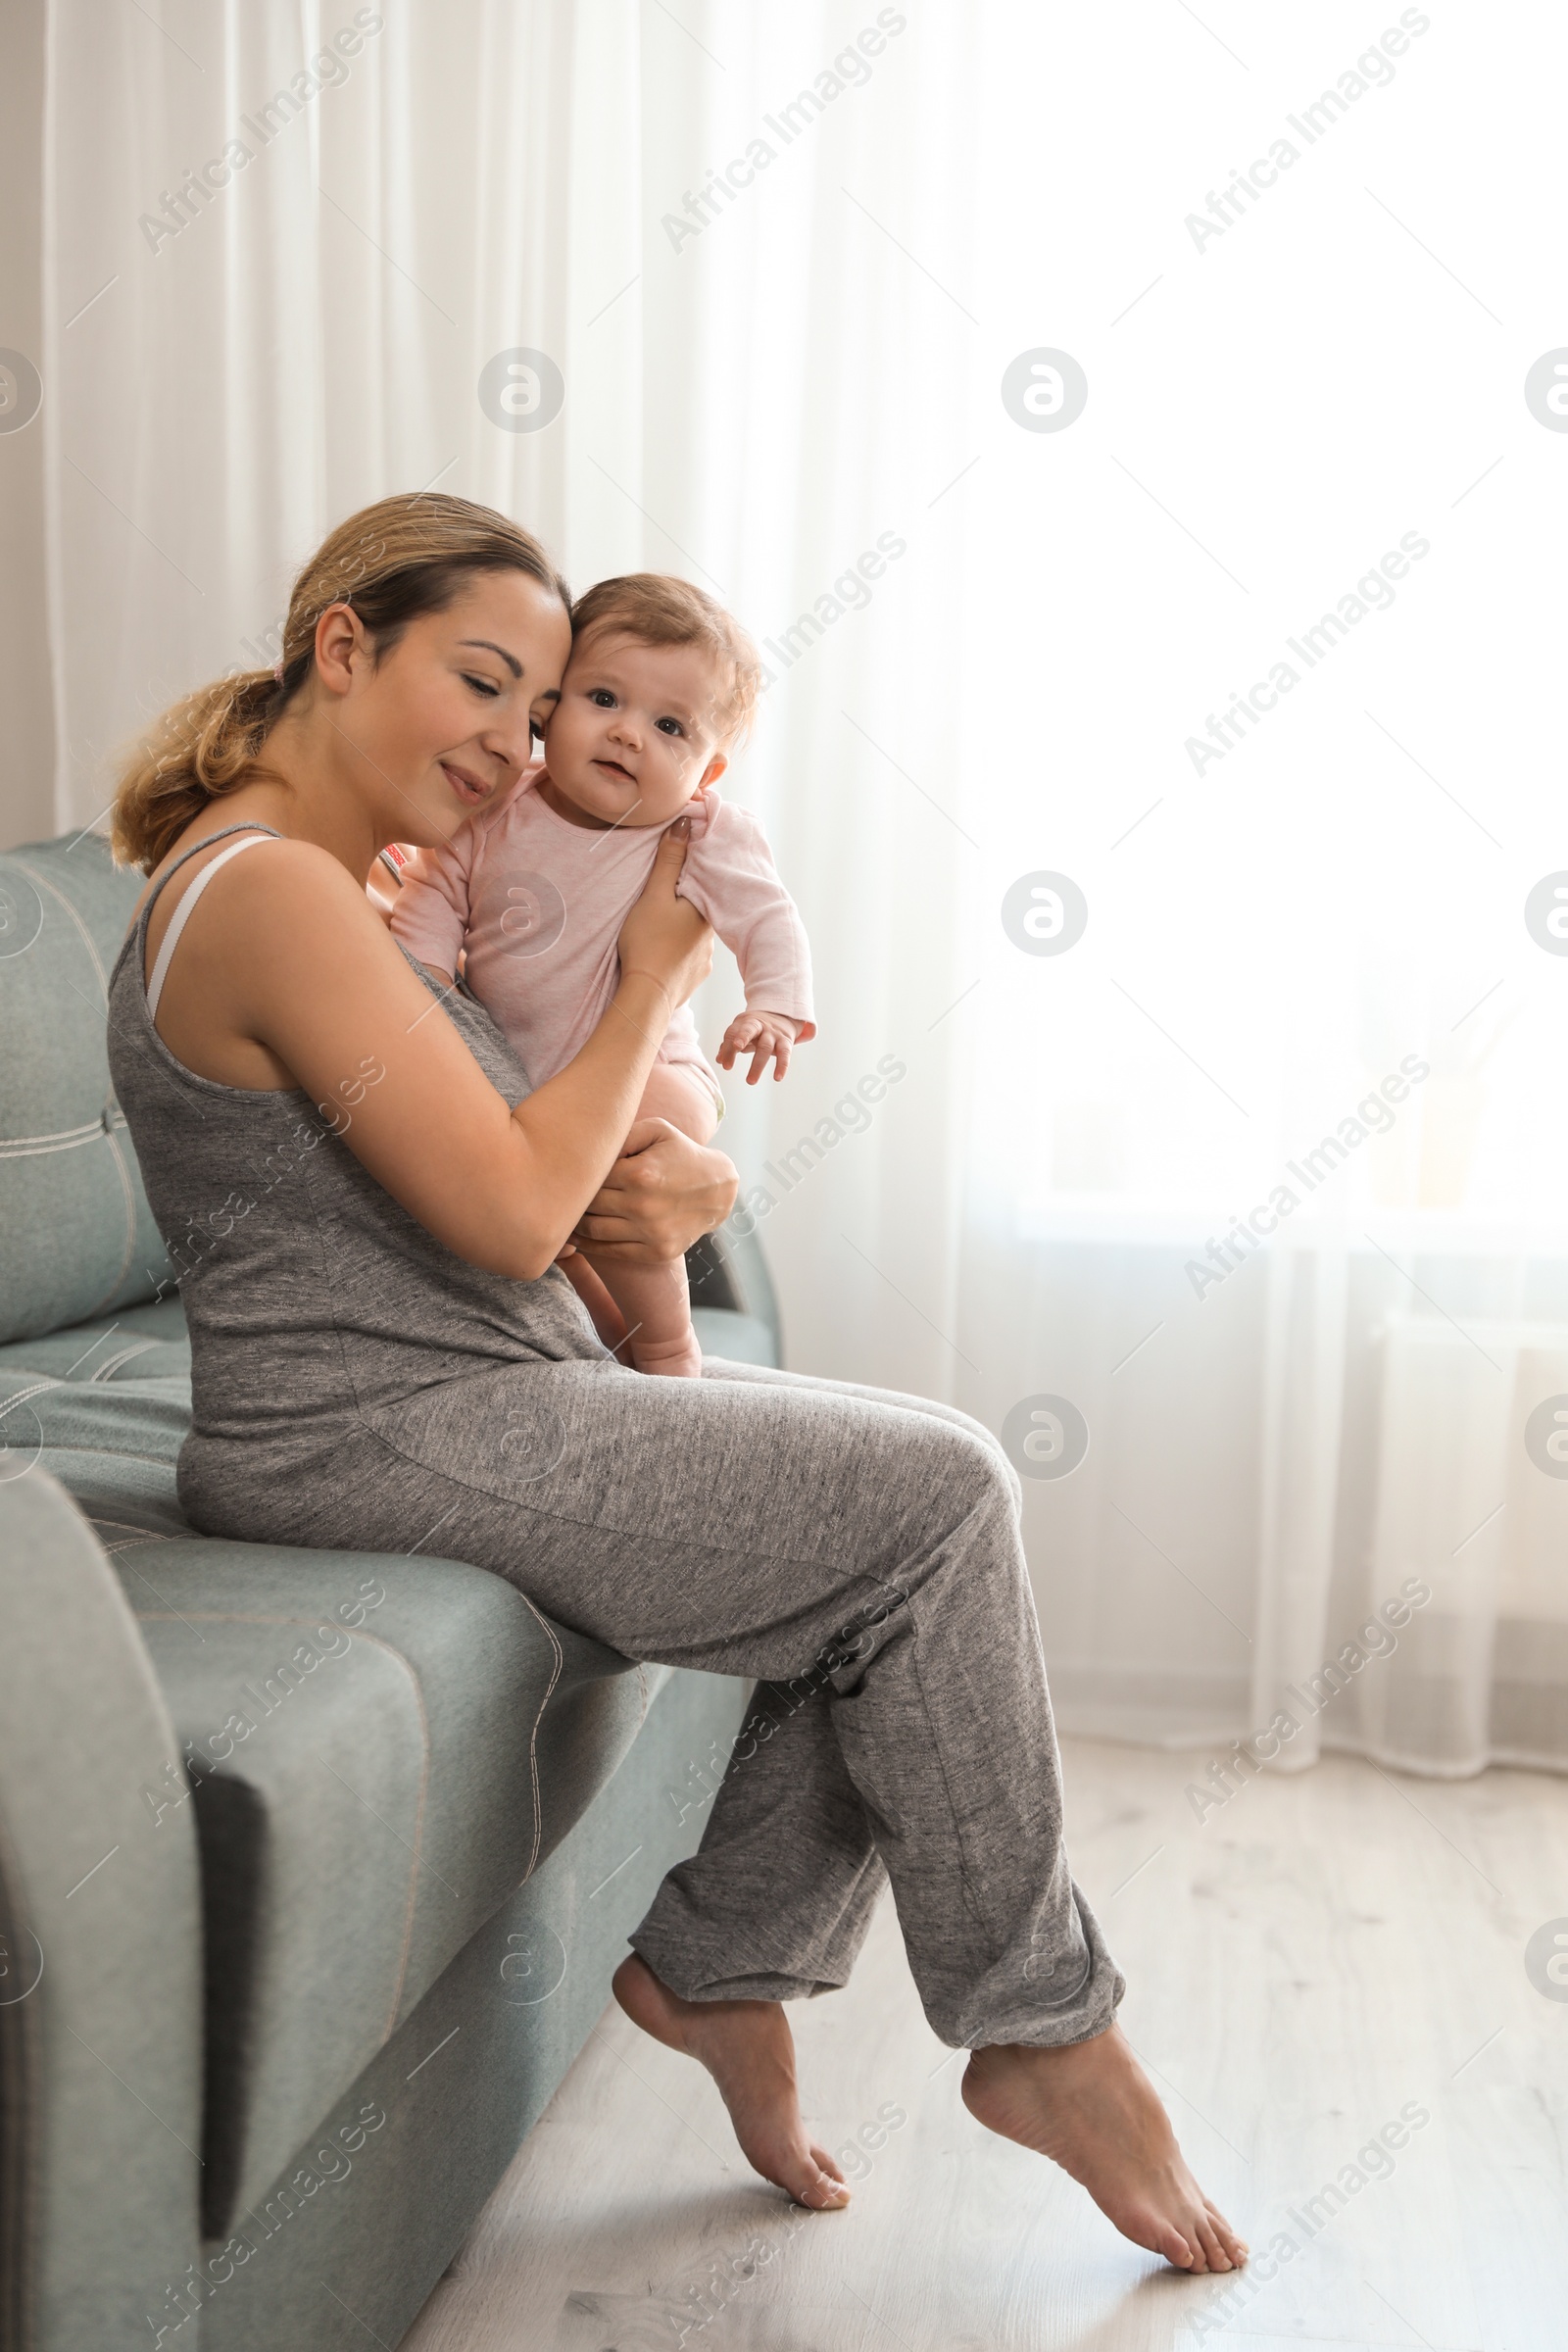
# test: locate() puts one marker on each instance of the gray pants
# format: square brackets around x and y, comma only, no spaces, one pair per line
[855,1551]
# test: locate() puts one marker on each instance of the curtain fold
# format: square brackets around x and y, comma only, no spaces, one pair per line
[1303,1407]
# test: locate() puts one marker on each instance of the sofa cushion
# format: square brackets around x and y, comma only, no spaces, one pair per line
[105,1408]
[744,1339]
[77,1237]
[382,1749]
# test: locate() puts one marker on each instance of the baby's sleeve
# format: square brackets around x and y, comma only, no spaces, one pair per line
[729,876]
[431,916]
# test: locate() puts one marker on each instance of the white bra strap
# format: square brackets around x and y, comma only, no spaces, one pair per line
[182,913]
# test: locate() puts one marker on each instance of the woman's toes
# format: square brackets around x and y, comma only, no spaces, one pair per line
[1165,2239]
[819,2189]
[825,2185]
[1215,2254]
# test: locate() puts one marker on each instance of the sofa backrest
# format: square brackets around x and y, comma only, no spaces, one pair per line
[77,1237]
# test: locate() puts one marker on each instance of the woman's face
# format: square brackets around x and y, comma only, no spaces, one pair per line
[445,722]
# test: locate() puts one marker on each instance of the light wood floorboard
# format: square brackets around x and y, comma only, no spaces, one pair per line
[1323,1952]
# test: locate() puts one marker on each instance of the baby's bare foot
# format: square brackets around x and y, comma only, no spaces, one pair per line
[1092,2110]
[748,2049]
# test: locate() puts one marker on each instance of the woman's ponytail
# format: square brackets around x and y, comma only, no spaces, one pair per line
[200,749]
[404,557]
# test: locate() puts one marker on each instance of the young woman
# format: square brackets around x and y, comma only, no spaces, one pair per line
[366,1204]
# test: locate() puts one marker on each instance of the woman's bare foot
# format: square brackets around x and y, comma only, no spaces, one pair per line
[1091,2108]
[748,2049]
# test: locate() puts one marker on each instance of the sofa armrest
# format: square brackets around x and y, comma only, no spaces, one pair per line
[100,1945]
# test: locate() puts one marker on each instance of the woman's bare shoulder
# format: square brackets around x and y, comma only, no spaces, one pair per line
[285,896]
[287,864]
[295,898]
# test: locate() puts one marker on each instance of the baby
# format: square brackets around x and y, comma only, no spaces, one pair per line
[659,685]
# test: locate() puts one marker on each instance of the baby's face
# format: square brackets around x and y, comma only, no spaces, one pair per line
[632,737]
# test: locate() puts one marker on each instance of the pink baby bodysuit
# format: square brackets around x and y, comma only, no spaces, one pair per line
[538,902]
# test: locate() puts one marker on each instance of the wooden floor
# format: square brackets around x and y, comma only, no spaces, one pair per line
[1325,1954]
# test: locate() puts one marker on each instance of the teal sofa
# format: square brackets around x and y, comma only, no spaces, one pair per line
[315,1865]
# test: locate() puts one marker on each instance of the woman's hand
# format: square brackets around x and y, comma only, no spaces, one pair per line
[663,1193]
[664,936]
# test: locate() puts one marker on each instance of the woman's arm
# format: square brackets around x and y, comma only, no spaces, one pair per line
[311,974]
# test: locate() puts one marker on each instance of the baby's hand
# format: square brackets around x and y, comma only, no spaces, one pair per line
[766,1035]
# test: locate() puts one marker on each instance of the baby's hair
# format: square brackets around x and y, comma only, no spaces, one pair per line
[654,607]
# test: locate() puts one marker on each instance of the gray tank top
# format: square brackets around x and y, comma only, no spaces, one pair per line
[309,1293]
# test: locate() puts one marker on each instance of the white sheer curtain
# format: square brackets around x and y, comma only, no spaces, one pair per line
[782,260]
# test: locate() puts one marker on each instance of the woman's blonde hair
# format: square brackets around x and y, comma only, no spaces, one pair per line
[392,562]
